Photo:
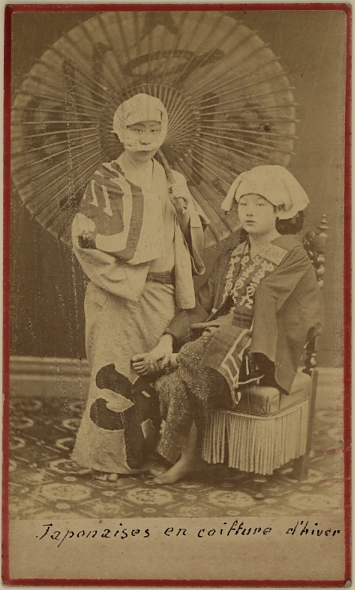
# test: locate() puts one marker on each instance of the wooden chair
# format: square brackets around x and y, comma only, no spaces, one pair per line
[267,428]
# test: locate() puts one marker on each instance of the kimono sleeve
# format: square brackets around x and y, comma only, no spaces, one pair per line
[198,224]
[180,325]
[106,270]
[292,286]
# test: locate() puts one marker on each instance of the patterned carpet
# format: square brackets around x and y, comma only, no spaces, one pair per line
[45,483]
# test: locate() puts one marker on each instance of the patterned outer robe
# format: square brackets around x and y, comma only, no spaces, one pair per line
[282,312]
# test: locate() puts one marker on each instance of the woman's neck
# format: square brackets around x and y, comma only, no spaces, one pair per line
[141,166]
[258,241]
[140,173]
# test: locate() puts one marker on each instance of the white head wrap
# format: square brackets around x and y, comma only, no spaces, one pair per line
[274,183]
[140,107]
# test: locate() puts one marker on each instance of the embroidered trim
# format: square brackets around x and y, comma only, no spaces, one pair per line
[230,278]
[247,300]
[274,253]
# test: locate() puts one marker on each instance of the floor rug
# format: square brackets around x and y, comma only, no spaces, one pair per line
[45,483]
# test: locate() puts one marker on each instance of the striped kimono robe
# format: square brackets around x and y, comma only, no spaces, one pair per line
[129,243]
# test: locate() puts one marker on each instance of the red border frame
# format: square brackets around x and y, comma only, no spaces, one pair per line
[173,7]
[6,293]
[9,10]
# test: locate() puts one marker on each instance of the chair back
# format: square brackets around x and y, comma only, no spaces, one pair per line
[314,244]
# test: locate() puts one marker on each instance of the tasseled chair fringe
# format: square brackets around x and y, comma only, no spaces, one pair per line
[259,444]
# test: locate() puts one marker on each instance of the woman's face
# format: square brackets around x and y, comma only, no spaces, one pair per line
[256,214]
[142,134]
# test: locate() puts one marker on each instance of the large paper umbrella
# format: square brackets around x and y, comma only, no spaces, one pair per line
[229,102]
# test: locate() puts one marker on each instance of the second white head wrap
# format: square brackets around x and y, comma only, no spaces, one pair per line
[274,183]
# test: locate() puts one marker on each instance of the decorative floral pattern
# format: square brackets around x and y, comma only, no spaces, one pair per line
[16,443]
[46,483]
[155,496]
[66,465]
[229,499]
[20,422]
[12,465]
[312,503]
[56,491]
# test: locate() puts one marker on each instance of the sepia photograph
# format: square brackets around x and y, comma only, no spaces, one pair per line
[177,262]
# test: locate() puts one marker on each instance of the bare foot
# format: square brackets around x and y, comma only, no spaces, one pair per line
[100,476]
[112,477]
[143,364]
[177,472]
[106,476]
[154,468]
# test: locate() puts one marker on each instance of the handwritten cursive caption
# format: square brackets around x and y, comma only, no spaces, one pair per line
[235,529]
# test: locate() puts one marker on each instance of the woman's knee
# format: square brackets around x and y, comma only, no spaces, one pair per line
[190,355]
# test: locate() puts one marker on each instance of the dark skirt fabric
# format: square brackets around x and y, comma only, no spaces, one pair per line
[187,396]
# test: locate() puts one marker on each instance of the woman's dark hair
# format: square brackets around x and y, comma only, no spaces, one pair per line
[283,226]
[291,226]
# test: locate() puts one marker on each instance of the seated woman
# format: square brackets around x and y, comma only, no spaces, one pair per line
[255,312]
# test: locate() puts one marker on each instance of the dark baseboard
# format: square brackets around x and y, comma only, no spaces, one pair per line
[34,376]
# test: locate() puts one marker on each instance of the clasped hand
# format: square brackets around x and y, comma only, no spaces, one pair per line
[160,355]
[156,359]
[180,198]
[206,327]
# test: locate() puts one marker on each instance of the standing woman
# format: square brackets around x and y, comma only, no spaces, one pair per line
[139,248]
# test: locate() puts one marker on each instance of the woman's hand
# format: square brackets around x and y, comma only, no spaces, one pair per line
[210,327]
[162,351]
[180,198]
[213,324]
[156,359]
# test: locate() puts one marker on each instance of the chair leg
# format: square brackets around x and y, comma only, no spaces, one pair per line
[300,467]
[259,483]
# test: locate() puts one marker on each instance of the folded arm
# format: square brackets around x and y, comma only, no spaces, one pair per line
[107,271]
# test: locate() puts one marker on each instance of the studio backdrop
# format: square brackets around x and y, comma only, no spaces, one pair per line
[47,284]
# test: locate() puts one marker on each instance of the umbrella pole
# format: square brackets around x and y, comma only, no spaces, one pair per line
[168,172]
[181,203]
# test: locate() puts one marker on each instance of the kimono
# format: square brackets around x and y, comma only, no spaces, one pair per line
[130,245]
[257,314]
